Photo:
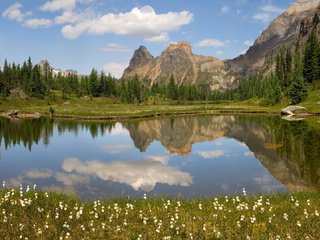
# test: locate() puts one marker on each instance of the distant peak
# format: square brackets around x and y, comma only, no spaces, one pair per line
[183,46]
[303,5]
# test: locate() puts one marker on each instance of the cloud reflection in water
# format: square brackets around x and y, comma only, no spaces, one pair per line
[142,174]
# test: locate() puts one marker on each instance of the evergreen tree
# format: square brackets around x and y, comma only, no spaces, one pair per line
[298,89]
[172,91]
[311,69]
[94,86]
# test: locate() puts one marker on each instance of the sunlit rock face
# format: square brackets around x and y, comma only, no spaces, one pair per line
[179,61]
[290,29]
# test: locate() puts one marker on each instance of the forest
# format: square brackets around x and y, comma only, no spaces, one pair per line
[295,72]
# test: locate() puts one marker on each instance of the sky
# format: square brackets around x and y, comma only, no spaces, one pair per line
[103,34]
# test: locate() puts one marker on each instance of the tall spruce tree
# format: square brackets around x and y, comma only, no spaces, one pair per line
[311,69]
[298,88]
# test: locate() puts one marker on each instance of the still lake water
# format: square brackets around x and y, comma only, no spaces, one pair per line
[183,156]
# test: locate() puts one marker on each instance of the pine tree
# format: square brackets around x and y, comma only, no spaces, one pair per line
[311,69]
[94,86]
[298,89]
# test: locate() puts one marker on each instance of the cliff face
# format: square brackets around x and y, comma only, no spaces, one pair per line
[291,28]
[186,68]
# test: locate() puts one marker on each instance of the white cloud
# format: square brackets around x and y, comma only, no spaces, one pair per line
[115,69]
[225,9]
[248,43]
[38,22]
[117,48]
[269,12]
[163,37]
[138,22]
[211,154]
[55,5]
[143,174]
[119,130]
[115,149]
[13,13]
[211,43]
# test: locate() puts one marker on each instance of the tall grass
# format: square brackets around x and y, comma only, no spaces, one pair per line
[31,214]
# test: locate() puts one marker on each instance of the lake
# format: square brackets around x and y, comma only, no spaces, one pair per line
[176,156]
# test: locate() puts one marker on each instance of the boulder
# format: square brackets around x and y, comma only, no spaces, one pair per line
[291,110]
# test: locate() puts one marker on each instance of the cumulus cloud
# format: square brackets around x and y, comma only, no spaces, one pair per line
[143,22]
[13,12]
[211,154]
[211,43]
[268,12]
[116,48]
[115,69]
[143,174]
[38,22]
[115,149]
[55,5]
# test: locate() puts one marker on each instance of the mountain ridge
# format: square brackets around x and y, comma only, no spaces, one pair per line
[290,28]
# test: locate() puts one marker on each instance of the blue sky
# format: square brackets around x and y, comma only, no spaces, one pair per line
[86,34]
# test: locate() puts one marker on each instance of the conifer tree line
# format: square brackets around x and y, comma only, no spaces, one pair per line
[295,71]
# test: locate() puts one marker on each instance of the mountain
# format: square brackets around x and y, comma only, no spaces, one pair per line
[291,28]
[179,61]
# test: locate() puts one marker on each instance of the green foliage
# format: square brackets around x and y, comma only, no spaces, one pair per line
[298,88]
[311,69]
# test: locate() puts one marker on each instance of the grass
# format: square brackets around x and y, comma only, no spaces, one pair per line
[113,109]
[31,214]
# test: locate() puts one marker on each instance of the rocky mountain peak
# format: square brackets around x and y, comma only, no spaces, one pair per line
[141,57]
[302,6]
[183,46]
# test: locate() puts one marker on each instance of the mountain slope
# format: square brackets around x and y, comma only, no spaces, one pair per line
[291,28]
[179,61]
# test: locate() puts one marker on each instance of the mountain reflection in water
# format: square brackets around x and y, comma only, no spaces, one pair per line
[194,155]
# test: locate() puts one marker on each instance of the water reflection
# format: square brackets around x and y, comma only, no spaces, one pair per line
[187,155]
[143,174]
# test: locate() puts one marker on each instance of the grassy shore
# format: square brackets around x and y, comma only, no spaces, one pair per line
[31,214]
[105,108]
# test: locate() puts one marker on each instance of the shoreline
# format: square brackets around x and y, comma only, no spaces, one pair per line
[17,114]
[34,115]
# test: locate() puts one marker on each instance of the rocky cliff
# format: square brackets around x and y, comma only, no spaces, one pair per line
[291,28]
[179,61]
